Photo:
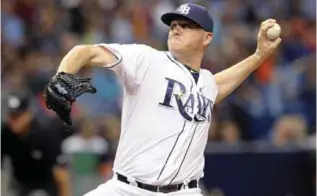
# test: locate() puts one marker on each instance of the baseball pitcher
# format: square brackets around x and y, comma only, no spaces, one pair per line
[167,102]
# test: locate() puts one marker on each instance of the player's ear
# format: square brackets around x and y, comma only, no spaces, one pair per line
[207,38]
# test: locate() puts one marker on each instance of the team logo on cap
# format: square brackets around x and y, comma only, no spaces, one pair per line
[14,102]
[184,9]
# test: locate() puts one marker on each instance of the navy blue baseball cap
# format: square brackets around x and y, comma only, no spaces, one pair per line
[17,102]
[194,12]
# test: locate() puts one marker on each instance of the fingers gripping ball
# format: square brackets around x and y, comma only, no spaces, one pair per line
[274,32]
[62,91]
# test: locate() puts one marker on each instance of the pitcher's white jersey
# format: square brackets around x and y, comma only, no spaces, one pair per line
[165,116]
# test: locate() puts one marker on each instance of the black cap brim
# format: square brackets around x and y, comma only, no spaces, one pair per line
[169,17]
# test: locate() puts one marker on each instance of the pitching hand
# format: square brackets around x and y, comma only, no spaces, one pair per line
[265,46]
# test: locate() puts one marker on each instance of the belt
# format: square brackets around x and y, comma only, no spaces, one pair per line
[163,189]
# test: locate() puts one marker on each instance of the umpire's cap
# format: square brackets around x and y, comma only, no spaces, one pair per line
[193,12]
[17,102]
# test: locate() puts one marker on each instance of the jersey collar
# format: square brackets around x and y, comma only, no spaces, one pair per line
[200,83]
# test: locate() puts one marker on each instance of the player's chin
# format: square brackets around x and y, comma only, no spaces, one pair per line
[176,45]
[175,50]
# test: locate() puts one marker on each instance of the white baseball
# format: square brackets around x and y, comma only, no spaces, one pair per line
[274,32]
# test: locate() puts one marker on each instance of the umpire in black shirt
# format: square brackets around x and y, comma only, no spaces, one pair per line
[34,150]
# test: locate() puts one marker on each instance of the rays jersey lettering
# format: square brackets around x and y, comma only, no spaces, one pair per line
[186,105]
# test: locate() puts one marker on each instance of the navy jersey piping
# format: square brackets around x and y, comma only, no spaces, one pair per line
[185,154]
[171,150]
[191,88]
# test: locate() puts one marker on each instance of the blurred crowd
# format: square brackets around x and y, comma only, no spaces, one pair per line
[277,102]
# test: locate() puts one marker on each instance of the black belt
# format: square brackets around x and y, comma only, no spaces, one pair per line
[163,189]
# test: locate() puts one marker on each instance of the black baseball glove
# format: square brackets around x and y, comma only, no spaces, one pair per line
[62,91]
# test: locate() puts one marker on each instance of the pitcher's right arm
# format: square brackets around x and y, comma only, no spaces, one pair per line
[85,55]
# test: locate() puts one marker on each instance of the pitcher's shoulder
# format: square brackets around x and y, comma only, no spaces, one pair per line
[207,74]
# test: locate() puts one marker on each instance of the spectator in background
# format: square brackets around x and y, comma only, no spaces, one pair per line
[89,157]
[86,140]
[308,91]
[13,27]
[34,151]
[109,127]
[229,133]
[289,129]
[120,28]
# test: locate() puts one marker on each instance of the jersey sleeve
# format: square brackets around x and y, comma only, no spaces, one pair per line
[133,61]
[213,85]
[215,92]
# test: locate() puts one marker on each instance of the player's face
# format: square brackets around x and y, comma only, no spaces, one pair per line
[19,122]
[186,36]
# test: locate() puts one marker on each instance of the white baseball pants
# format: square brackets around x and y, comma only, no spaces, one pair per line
[115,187]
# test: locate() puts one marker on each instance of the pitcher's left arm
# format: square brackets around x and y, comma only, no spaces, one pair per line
[229,79]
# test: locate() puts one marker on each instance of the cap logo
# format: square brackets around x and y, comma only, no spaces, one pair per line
[14,102]
[184,9]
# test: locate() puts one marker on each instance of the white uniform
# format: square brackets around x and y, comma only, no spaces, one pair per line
[165,119]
